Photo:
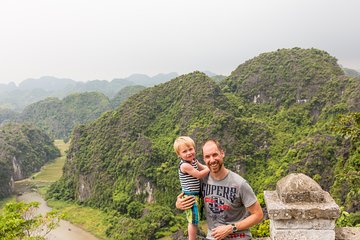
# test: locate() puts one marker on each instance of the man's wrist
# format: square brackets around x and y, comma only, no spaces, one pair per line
[233,228]
[229,230]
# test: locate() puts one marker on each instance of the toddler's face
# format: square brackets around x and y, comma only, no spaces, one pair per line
[187,153]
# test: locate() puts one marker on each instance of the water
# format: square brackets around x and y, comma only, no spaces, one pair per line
[66,230]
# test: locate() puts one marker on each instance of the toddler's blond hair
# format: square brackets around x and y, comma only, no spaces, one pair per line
[183,140]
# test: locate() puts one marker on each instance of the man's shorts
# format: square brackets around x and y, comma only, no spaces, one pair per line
[193,213]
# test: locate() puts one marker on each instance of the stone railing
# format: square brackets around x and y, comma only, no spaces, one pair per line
[300,210]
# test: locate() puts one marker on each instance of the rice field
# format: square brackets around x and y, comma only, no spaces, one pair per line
[52,171]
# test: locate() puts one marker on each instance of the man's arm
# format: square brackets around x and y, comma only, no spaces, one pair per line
[256,215]
[184,203]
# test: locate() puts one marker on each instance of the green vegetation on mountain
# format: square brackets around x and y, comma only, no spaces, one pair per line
[281,112]
[284,77]
[23,151]
[59,117]
[300,117]
[347,181]
[124,94]
[218,78]
[7,115]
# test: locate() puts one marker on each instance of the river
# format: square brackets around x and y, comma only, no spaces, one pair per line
[26,191]
[66,230]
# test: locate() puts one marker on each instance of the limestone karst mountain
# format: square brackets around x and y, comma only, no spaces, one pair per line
[58,117]
[23,151]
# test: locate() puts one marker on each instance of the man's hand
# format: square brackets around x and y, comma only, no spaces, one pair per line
[221,232]
[184,203]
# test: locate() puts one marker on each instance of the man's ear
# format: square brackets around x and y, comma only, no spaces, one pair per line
[222,153]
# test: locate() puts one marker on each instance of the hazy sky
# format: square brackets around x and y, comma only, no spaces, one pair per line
[106,39]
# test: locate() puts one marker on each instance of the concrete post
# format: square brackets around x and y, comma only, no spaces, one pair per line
[300,210]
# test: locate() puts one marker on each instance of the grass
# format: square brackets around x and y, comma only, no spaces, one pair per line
[49,173]
[89,219]
[52,171]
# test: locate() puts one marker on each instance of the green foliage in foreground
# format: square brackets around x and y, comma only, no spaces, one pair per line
[348,219]
[4,201]
[262,229]
[19,221]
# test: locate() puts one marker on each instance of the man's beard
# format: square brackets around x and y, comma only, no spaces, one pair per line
[216,167]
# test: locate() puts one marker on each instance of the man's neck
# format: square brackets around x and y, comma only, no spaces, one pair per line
[220,175]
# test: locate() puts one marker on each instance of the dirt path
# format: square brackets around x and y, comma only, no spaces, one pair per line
[66,230]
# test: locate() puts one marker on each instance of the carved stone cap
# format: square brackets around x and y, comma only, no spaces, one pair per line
[278,210]
[297,187]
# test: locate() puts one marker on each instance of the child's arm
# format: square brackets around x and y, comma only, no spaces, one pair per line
[189,169]
[201,166]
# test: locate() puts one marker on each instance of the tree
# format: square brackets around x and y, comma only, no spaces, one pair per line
[19,220]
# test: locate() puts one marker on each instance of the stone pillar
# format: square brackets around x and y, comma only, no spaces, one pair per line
[300,210]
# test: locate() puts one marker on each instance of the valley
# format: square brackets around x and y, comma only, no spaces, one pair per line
[28,190]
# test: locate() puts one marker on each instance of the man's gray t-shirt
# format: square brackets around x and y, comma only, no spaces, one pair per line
[225,202]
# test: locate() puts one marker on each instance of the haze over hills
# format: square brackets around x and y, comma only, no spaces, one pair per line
[351,72]
[32,90]
[58,117]
[280,112]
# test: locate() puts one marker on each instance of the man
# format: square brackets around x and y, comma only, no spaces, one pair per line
[230,204]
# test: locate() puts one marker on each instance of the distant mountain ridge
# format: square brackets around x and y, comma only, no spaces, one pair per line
[33,90]
[351,72]
[47,83]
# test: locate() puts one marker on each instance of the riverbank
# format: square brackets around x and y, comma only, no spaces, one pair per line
[65,230]
[34,188]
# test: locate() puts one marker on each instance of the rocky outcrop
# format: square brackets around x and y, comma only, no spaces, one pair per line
[17,173]
[147,189]
[85,187]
